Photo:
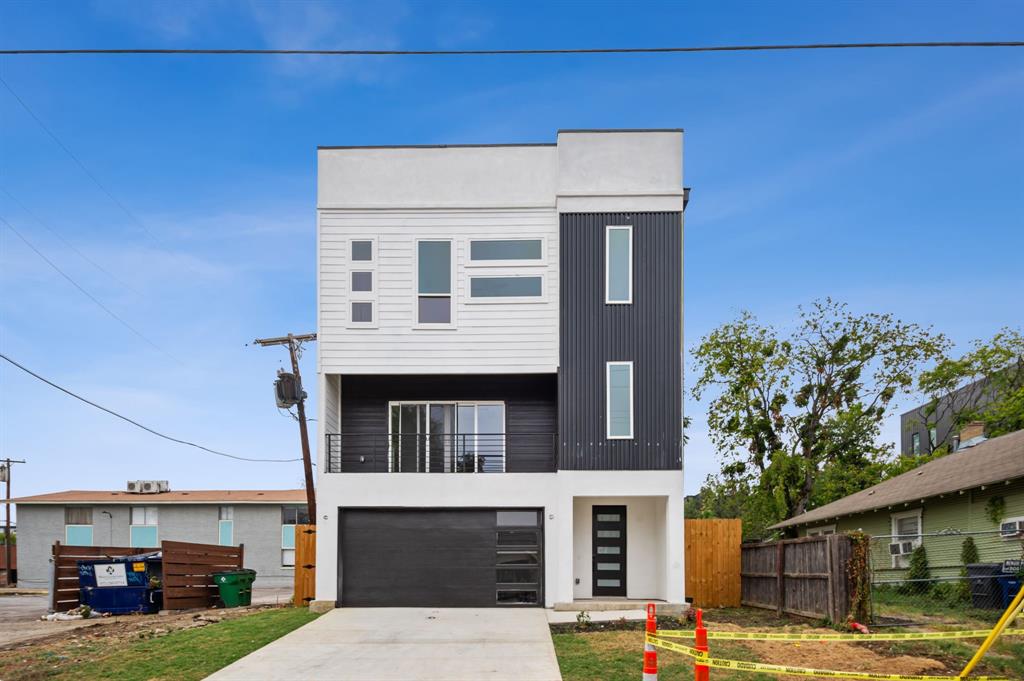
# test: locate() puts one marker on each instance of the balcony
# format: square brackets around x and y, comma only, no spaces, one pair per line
[441,453]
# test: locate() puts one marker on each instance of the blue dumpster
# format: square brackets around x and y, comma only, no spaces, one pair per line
[121,585]
[1009,585]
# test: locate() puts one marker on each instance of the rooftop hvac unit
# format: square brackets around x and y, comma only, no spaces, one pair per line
[287,390]
[148,486]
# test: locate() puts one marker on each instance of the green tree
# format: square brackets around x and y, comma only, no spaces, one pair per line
[968,555]
[985,384]
[796,417]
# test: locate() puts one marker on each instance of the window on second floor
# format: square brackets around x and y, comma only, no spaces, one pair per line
[78,525]
[618,265]
[619,398]
[434,282]
[143,529]
[915,444]
[932,438]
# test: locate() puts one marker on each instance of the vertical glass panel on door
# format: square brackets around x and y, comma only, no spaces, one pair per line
[466,450]
[442,437]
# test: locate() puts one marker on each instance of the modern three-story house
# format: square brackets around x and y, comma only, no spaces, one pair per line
[499,356]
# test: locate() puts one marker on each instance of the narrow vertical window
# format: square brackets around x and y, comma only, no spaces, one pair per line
[434,282]
[619,397]
[226,526]
[290,517]
[618,265]
[915,444]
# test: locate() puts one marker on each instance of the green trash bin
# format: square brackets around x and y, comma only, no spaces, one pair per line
[235,587]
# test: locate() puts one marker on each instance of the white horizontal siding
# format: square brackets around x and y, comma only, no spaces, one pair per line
[487,338]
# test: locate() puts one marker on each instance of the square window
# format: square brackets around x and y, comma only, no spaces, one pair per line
[362,251]
[435,310]
[362,312]
[362,281]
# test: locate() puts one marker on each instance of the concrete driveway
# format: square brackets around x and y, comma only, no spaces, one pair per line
[408,644]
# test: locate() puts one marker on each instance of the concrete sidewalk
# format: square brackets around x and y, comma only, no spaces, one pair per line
[408,644]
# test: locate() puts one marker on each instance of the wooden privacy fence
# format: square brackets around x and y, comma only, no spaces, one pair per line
[807,576]
[712,553]
[187,571]
[305,564]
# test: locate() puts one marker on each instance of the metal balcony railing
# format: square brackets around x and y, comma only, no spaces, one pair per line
[441,453]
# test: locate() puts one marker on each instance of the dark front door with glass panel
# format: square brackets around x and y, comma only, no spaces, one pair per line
[609,550]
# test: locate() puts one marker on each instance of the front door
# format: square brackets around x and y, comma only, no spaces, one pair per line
[609,542]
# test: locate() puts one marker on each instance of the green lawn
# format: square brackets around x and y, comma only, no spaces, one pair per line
[184,655]
[618,656]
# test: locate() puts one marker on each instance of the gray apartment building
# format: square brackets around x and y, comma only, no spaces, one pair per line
[263,520]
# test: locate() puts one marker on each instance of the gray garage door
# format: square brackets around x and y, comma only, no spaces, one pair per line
[440,557]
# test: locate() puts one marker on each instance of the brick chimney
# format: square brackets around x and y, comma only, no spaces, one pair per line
[972,430]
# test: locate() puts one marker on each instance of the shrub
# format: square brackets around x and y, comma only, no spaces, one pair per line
[968,554]
[918,570]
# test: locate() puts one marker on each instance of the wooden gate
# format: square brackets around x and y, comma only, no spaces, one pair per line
[305,564]
[807,576]
[712,550]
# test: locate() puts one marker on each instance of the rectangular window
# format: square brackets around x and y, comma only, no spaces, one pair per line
[78,535]
[618,265]
[506,287]
[821,531]
[362,250]
[915,444]
[362,281]
[226,526]
[434,282]
[506,251]
[290,517]
[932,437]
[517,519]
[362,312]
[143,531]
[77,515]
[906,527]
[619,396]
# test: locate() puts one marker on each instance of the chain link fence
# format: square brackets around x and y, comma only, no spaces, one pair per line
[943,576]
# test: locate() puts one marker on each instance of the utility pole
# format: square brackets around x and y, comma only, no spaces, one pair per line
[5,476]
[294,342]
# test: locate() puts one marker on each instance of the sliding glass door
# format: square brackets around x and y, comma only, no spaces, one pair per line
[461,437]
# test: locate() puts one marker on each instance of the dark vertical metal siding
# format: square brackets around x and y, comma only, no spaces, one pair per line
[530,408]
[648,332]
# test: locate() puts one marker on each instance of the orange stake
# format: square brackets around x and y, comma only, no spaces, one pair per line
[701,672]
[650,654]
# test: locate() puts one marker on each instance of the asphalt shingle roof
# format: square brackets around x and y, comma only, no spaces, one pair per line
[990,462]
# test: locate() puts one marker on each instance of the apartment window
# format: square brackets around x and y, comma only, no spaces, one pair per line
[226,526]
[501,289]
[362,250]
[290,517]
[78,525]
[434,282]
[932,438]
[618,265]
[143,529]
[619,398]
[915,444]
[506,251]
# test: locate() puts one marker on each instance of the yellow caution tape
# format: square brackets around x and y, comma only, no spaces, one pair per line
[706,659]
[764,636]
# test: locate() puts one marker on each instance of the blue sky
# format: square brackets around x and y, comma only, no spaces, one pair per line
[888,179]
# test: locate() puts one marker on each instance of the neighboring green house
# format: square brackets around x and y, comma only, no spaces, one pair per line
[936,504]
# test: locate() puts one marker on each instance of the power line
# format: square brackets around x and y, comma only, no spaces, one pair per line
[593,50]
[136,423]
[86,293]
[134,218]
[67,243]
